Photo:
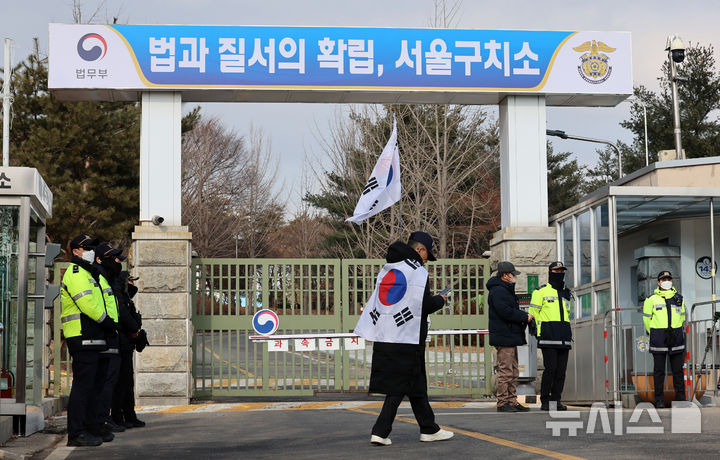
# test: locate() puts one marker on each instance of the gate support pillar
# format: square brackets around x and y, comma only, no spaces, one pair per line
[525,239]
[161,258]
[523,162]
[161,157]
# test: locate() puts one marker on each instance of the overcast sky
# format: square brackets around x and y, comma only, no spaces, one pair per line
[292,127]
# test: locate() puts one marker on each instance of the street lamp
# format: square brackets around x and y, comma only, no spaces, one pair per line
[564,135]
[676,54]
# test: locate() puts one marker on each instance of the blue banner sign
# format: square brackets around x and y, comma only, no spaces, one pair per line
[338,58]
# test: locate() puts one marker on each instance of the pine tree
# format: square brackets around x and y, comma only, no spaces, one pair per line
[605,170]
[699,97]
[87,152]
[564,180]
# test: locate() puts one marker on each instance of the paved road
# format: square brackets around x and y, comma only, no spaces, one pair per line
[331,430]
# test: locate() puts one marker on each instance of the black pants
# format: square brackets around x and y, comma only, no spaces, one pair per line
[109,369]
[81,412]
[421,408]
[553,378]
[123,400]
[676,365]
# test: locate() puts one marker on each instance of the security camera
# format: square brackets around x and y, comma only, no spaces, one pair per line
[676,47]
[157,220]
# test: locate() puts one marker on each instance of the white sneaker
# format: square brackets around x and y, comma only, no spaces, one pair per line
[378,441]
[442,435]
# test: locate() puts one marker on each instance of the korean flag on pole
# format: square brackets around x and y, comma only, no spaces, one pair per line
[383,188]
[394,311]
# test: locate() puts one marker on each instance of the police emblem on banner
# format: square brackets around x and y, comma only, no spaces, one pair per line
[594,67]
[394,311]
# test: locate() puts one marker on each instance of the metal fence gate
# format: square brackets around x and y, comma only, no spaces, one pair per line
[316,296]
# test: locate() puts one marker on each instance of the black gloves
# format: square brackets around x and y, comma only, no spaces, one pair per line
[566,294]
[110,326]
[532,328]
[141,341]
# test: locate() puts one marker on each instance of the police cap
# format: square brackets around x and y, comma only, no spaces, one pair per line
[83,241]
[105,251]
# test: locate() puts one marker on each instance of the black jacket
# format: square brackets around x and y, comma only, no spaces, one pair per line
[399,368]
[507,321]
[129,318]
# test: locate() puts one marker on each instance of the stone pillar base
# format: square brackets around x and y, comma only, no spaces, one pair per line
[161,257]
[530,249]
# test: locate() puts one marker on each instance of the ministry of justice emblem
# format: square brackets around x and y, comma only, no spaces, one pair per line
[594,68]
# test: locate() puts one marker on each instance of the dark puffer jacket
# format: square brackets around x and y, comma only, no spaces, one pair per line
[130,320]
[399,368]
[507,321]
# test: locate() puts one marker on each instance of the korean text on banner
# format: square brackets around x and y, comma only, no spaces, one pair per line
[305,344]
[354,343]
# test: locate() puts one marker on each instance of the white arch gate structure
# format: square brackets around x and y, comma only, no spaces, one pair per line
[163,66]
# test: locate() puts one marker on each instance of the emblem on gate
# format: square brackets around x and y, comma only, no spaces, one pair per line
[643,343]
[265,322]
[594,66]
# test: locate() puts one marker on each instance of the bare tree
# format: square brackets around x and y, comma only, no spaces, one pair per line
[259,209]
[212,161]
[303,235]
[228,198]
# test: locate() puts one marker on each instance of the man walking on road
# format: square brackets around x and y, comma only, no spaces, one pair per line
[507,332]
[396,320]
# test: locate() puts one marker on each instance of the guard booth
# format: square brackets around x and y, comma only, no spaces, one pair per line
[25,205]
[614,243]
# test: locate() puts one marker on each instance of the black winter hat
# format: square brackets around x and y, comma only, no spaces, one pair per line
[426,240]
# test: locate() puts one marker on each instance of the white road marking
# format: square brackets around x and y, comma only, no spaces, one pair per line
[60,453]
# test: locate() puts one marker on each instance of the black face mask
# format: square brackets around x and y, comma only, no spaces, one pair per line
[557,280]
[111,267]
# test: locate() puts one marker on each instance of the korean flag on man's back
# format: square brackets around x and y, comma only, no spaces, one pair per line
[394,311]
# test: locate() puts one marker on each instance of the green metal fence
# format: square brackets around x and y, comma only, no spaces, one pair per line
[323,296]
[310,296]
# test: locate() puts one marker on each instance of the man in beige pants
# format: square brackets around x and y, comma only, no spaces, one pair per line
[507,331]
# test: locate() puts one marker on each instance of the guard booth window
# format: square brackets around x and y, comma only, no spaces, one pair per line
[9,216]
[603,301]
[602,238]
[568,253]
[585,248]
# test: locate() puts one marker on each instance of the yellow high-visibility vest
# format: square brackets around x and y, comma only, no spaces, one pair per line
[80,294]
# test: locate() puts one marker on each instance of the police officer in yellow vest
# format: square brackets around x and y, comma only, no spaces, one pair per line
[664,316]
[550,304]
[85,324]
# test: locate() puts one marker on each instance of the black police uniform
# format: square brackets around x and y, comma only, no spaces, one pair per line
[123,404]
